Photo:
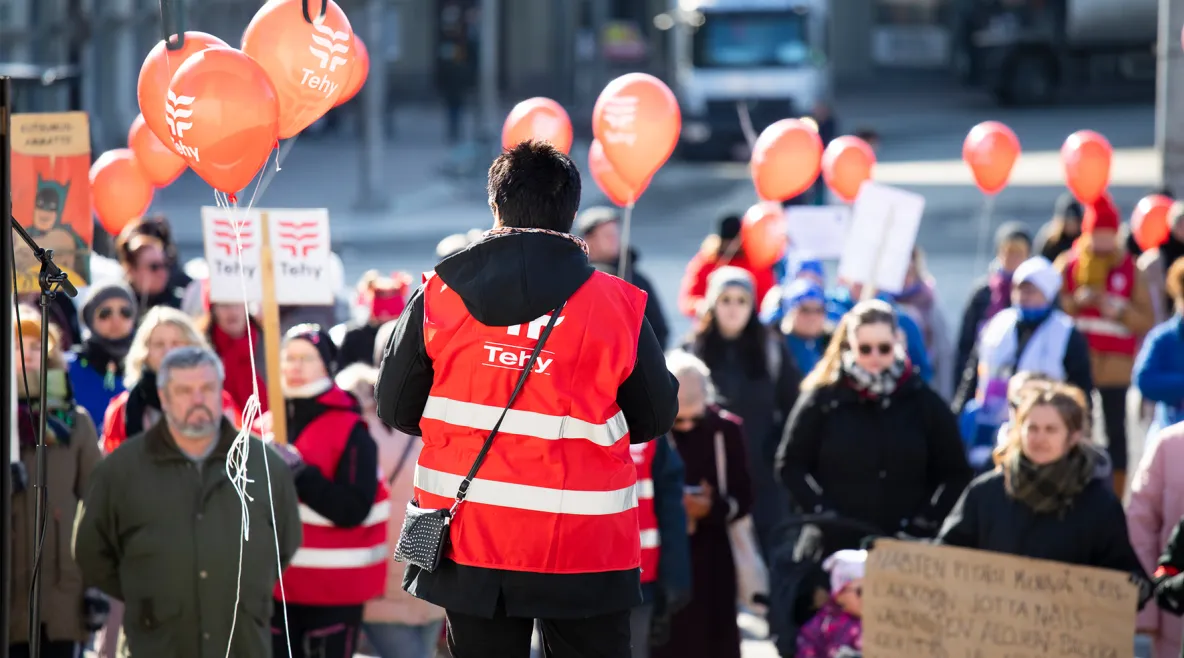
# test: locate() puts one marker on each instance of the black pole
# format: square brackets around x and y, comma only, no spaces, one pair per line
[8,399]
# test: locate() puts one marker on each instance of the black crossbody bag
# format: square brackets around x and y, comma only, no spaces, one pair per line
[424,536]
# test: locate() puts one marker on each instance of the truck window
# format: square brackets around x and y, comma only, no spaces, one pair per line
[750,39]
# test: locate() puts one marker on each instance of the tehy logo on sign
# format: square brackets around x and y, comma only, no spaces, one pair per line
[224,240]
[299,238]
[179,115]
[620,113]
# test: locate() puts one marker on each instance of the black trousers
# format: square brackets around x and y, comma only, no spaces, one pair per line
[316,631]
[603,636]
[49,649]
[1114,418]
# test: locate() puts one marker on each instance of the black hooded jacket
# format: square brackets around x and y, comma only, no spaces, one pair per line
[503,281]
[653,307]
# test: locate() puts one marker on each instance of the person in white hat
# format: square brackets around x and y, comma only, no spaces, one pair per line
[838,625]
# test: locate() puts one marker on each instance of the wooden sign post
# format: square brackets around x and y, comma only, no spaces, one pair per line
[271,334]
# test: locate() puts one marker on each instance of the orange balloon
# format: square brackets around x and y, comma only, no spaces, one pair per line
[617,189]
[1149,222]
[638,121]
[157,72]
[1086,156]
[785,159]
[310,65]
[119,191]
[990,150]
[160,163]
[537,118]
[846,163]
[357,74]
[226,117]
[763,234]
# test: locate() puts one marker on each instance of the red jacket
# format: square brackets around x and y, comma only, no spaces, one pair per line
[694,280]
[115,420]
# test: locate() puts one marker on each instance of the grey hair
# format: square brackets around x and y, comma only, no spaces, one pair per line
[682,363]
[185,358]
[359,379]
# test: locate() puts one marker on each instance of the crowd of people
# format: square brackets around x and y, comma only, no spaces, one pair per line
[643,486]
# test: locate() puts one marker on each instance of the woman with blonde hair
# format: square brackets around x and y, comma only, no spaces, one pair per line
[162,330]
[1045,498]
[869,440]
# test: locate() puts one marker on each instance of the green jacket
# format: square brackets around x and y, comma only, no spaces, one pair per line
[163,537]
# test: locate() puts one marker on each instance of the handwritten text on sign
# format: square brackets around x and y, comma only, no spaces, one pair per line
[944,602]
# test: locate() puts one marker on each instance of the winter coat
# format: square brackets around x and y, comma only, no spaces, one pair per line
[1159,371]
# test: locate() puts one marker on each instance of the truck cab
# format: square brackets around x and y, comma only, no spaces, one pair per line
[763,55]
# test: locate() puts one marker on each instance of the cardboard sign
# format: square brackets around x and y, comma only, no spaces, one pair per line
[879,245]
[945,602]
[818,231]
[51,193]
[300,248]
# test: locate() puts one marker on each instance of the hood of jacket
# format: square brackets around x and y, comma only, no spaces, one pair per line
[515,278]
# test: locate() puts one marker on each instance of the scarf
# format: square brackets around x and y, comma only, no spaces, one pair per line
[874,385]
[1048,488]
[236,360]
[1094,268]
[142,397]
[104,357]
[999,283]
[510,230]
[59,426]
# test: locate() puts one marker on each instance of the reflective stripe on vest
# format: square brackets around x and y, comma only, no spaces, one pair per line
[339,558]
[647,519]
[557,491]
[1102,327]
[379,513]
[1102,334]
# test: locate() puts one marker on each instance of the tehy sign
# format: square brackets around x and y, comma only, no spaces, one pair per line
[300,249]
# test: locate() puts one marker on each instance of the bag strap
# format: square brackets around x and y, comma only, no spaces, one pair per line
[721,465]
[463,490]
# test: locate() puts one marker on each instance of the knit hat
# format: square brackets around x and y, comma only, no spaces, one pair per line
[1100,215]
[588,220]
[802,290]
[727,277]
[1040,273]
[845,566]
[1012,232]
[729,227]
[103,292]
[314,335]
[812,267]
[1067,207]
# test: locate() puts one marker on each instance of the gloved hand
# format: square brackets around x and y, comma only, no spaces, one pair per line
[95,609]
[20,477]
[920,527]
[1167,594]
[290,455]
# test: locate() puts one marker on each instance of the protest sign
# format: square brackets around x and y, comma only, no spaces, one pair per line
[945,602]
[817,231]
[51,193]
[879,241]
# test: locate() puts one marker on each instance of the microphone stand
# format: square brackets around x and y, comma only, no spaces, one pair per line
[51,280]
[8,399]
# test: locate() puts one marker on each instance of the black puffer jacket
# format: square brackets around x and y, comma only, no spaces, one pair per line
[896,463]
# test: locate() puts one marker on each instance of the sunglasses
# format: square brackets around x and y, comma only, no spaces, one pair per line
[688,421]
[154,267]
[884,349]
[106,313]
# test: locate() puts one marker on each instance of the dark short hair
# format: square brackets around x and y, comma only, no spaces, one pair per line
[534,185]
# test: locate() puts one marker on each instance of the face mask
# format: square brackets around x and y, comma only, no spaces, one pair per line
[1035,314]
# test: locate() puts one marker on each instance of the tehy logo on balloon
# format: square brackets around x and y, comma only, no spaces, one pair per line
[328,45]
[620,113]
[300,247]
[179,115]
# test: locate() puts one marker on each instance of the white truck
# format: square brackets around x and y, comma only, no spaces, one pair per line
[1026,51]
[767,55]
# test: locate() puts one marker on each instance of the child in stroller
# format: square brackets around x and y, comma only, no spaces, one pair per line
[837,625]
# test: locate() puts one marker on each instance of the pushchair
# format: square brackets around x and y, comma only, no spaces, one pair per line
[798,585]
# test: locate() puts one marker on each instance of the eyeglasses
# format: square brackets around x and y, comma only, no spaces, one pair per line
[106,313]
[154,267]
[688,421]
[884,349]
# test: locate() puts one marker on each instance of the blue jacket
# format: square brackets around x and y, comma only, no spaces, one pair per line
[1159,371]
[840,301]
[674,560]
[93,390]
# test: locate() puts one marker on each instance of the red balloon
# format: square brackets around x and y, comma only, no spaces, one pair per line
[226,117]
[617,189]
[786,159]
[764,235]
[310,65]
[119,191]
[537,118]
[637,120]
[358,74]
[160,163]
[846,163]
[1149,222]
[1086,156]
[157,72]
[990,150]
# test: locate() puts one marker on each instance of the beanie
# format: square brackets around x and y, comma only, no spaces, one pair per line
[727,277]
[1067,207]
[802,290]
[103,292]
[812,267]
[1040,273]
[845,566]
[1099,216]
[314,335]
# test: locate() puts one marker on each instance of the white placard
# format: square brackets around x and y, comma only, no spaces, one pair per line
[879,245]
[299,245]
[817,231]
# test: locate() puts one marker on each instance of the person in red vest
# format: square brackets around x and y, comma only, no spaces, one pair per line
[1110,304]
[549,529]
[724,248]
[342,561]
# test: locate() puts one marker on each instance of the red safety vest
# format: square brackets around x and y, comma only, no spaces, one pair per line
[647,519]
[556,493]
[336,566]
[1105,335]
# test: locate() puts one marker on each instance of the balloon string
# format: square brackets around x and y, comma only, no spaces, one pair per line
[746,123]
[623,259]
